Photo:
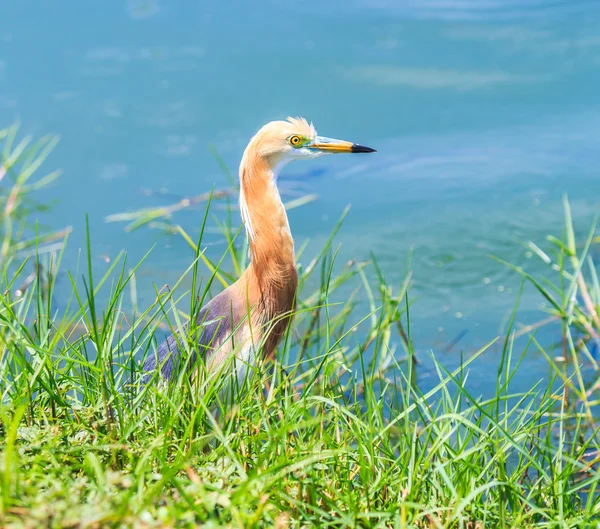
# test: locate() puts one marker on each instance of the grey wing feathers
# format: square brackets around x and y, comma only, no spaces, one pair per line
[215,325]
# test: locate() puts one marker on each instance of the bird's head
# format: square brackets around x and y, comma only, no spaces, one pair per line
[280,142]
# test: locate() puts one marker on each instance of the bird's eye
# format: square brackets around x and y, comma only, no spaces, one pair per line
[295,141]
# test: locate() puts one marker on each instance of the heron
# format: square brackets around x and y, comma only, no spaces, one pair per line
[248,319]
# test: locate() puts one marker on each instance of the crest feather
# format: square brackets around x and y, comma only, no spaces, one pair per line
[307,128]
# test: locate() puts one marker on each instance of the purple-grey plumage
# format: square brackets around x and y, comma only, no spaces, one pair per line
[215,323]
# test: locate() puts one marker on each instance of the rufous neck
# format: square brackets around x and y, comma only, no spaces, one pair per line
[263,213]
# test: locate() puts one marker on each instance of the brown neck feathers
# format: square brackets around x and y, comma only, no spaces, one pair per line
[271,243]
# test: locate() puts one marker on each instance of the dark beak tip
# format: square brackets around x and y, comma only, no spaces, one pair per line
[361,148]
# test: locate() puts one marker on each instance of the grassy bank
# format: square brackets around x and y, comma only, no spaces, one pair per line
[337,434]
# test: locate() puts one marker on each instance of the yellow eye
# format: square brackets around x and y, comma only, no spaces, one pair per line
[295,141]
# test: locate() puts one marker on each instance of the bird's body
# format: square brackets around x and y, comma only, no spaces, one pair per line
[251,316]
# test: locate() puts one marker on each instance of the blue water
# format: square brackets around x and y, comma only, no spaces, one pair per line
[484,113]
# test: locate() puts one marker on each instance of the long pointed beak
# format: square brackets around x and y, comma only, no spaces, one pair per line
[330,145]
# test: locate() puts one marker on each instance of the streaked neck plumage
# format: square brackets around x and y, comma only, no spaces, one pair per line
[263,213]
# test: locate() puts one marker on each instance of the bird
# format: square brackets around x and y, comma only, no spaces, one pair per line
[248,319]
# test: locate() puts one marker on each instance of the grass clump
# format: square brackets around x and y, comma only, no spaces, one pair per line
[336,434]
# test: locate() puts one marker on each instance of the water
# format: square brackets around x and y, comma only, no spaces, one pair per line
[484,114]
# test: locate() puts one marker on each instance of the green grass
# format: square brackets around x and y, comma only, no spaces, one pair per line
[336,434]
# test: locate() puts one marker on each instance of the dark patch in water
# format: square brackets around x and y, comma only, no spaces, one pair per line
[311,174]
[458,338]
